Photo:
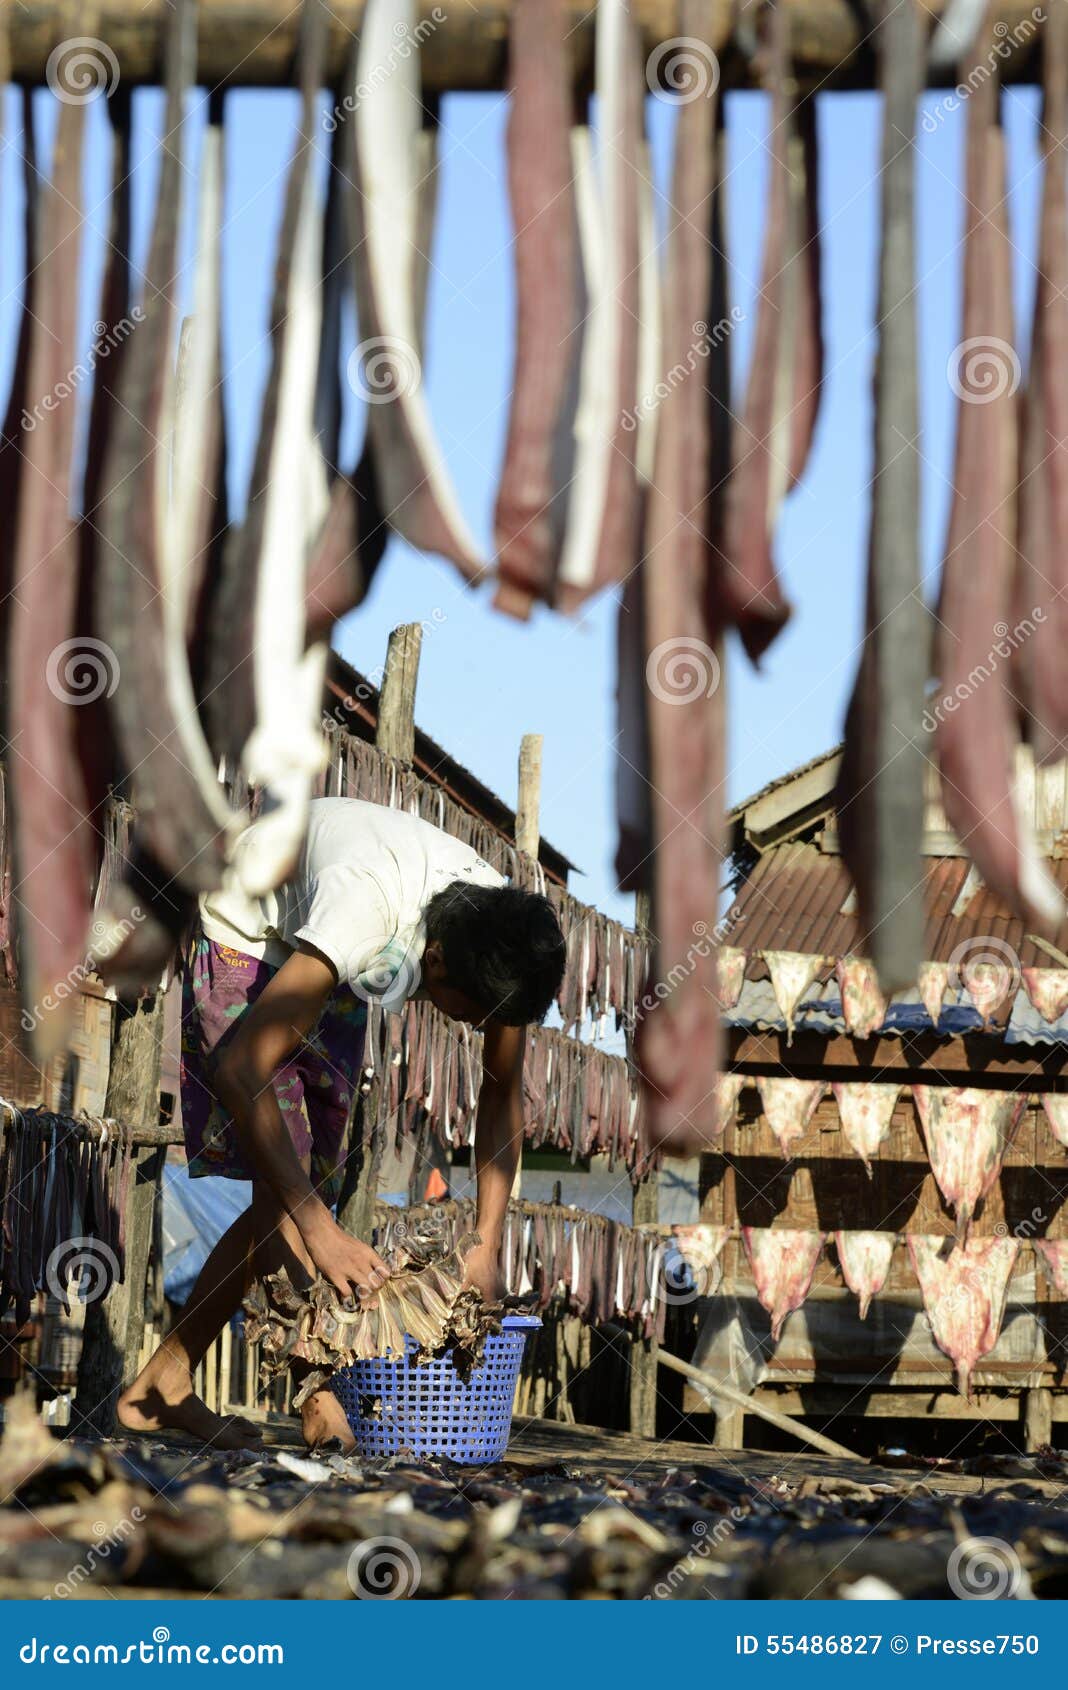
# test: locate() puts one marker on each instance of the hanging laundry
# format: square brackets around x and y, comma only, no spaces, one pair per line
[789,1106]
[865,1110]
[730,973]
[783,1263]
[864,1258]
[1053,1254]
[1055,1105]
[792,973]
[863,1004]
[1047,989]
[964,1288]
[966,1132]
[933,983]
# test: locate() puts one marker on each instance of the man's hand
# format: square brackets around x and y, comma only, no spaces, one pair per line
[343,1260]
[482,1270]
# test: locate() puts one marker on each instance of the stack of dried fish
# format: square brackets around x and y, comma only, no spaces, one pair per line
[424,1297]
[64,1184]
[603,1269]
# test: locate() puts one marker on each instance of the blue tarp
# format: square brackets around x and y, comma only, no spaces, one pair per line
[196,1213]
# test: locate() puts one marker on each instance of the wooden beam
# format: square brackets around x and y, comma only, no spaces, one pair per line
[923,1056]
[253,42]
[644,1352]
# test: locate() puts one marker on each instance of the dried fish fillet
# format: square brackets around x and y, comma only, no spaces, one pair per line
[967,1132]
[865,1258]
[865,1111]
[964,1290]
[789,1106]
[783,1263]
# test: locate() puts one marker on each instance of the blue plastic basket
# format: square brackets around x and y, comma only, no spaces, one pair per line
[428,1410]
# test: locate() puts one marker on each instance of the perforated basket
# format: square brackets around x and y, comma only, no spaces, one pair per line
[395,1405]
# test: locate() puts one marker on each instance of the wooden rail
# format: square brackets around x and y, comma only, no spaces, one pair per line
[465,47]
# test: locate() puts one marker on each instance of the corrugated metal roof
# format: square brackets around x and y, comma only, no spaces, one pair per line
[794,899]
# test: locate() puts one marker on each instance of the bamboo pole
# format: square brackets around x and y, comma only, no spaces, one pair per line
[465,47]
[645,1212]
[738,1399]
[528,839]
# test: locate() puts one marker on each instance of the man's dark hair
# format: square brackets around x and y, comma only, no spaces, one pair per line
[503,948]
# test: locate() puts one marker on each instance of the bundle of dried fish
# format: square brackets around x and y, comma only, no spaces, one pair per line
[424,1299]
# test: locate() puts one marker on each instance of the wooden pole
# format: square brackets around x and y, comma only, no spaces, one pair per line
[528,838]
[738,1399]
[465,47]
[113,1327]
[646,1212]
[395,736]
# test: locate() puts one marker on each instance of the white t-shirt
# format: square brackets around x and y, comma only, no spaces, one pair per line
[365,877]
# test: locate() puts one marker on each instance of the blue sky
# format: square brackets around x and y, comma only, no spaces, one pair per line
[486,680]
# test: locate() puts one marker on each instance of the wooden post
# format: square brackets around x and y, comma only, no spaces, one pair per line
[646,1211]
[113,1327]
[1038,1418]
[528,840]
[395,736]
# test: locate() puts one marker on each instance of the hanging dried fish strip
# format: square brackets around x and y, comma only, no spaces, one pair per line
[149,533]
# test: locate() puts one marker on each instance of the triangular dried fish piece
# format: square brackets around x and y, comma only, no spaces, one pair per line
[789,1106]
[865,1111]
[1055,1104]
[1053,1253]
[865,1258]
[702,1246]
[792,973]
[783,1263]
[728,1090]
[967,1132]
[730,972]
[933,984]
[1047,989]
[964,1295]
[863,1004]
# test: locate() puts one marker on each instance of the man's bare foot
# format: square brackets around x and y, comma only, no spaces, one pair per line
[323,1418]
[162,1399]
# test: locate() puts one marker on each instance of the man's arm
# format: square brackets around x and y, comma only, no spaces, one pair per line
[284,1014]
[498,1141]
